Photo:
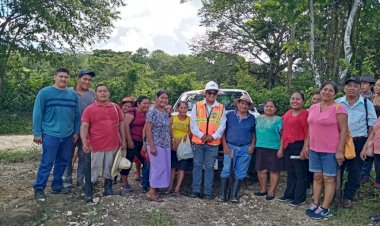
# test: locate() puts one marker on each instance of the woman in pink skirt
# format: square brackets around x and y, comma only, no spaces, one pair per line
[158,139]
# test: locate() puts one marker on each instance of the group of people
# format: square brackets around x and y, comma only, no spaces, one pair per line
[307,144]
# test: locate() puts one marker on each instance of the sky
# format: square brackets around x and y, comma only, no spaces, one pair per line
[155,24]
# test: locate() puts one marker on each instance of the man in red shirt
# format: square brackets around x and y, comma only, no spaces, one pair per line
[102,132]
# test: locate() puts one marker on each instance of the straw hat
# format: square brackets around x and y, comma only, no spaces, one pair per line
[120,163]
[245,98]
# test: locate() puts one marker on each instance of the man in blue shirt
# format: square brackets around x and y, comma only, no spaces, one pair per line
[56,124]
[239,138]
[361,119]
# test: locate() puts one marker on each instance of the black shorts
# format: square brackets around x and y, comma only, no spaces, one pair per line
[179,165]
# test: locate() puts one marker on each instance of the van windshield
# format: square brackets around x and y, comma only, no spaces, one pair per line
[227,99]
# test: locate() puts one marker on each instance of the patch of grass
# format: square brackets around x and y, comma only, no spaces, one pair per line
[156,218]
[43,217]
[19,123]
[367,204]
[7,157]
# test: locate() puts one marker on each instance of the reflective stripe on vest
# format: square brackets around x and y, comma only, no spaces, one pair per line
[208,125]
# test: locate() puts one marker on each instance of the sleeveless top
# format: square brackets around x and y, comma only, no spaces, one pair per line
[180,128]
[137,125]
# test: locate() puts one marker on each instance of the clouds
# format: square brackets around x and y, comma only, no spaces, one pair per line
[155,24]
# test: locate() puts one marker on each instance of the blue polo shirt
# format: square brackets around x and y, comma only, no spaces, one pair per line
[356,116]
[239,130]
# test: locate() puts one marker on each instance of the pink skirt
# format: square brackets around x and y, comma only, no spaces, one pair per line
[160,167]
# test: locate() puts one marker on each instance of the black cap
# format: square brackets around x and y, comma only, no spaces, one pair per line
[85,72]
[367,78]
[352,79]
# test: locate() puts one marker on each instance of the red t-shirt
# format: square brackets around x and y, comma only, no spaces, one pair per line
[294,128]
[103,134]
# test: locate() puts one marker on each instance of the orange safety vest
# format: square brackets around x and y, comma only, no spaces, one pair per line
[208,125]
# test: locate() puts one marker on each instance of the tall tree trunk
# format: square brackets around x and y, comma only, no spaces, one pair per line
[290,57]
[314,66]
[347,37]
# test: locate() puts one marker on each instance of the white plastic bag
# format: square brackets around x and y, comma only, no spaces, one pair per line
[184,150]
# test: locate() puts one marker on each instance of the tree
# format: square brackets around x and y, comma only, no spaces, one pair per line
[257,30]
[46,25]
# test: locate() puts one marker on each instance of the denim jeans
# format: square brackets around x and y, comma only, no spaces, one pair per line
[55,151]
[145,174]
[297,170]
[367,168]
[241,162]
[67,175]
[354,168]
[204,156]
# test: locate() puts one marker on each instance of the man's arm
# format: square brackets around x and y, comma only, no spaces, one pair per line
[38,110]
[84,135]
[128,120]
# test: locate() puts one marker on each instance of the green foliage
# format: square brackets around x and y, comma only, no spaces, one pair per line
[15,123]
[278,94]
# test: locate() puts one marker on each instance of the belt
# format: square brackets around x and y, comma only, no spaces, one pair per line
[358,138]
[239,145]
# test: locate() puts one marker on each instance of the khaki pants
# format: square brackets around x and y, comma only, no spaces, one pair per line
[101,160]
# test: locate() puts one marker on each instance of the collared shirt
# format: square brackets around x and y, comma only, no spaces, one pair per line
[239,130]
[194,125]
[357,116]
[369,95]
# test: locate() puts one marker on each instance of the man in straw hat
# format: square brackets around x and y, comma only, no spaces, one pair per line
[207,124]
[239,138]
[102,133]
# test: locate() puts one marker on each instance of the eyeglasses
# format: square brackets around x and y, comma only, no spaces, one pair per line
[212,93]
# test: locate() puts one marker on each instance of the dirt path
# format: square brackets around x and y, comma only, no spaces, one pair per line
[18,143]
[17,206]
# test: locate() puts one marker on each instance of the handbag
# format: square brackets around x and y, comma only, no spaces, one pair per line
[349,148]
[184,150]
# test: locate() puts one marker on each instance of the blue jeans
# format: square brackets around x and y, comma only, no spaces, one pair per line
[367,168]
[67,175]
[241,162]
[204,156]
[354,168]
[145,174]
[55,151]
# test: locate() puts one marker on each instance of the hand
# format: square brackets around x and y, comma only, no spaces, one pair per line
[204,138]
[37,140]
[86,147]
[339,158]
[131,145]
[304,154]
[75,138]
[250,150]
[226,150]
[210,139]
[153,150]
[280,153]
[143,147]
[123,145]
[363,154]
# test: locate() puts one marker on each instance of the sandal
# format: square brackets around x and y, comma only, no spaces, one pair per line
[154,198]
[176,193]
[375,218]
[260,193]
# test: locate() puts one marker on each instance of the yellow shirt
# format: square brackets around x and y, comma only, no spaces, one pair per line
[180,128]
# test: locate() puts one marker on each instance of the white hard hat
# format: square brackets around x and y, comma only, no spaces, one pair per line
[211,85]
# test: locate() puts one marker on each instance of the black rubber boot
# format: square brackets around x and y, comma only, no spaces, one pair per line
[89,193]
[223,189]
[235,190]
[108,188]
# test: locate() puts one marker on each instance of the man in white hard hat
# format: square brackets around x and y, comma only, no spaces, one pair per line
[207,124]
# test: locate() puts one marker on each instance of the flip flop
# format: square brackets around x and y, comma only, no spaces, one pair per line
[375,218]
[154,198]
